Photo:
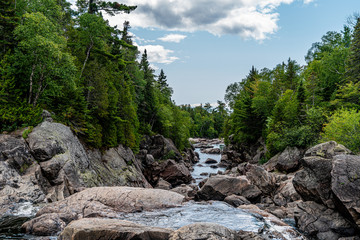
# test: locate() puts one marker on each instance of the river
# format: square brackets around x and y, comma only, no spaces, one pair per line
[190,212]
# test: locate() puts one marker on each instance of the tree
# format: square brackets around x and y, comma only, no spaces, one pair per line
[42,58]
[353,63]
[164,88]
[8,22]
[95,6]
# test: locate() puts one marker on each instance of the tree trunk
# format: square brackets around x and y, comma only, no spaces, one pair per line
[31,83]
[87,57]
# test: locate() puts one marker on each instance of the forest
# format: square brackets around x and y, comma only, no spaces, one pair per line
[92,77]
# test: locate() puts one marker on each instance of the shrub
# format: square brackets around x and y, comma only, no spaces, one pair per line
[344,128]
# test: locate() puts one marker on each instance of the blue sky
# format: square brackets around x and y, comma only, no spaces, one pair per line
[205,45]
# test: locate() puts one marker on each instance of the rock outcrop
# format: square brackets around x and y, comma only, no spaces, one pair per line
[160,147]
[221,186]
[103,202]
[112,229]
[204,231]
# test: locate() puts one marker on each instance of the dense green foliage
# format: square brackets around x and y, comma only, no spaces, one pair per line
[75,65]
[299,106]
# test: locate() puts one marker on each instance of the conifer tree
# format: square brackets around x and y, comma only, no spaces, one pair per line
[353,64]
[8,22]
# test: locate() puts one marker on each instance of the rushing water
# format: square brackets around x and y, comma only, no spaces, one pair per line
[201,167]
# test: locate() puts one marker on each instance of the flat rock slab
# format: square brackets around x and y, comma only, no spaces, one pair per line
[106,202]
[211,231]
[97,228]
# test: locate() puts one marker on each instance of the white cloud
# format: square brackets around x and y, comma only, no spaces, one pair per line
[255,19]
[158,54]
[176,38]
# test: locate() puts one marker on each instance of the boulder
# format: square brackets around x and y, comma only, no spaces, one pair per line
[169,170]
[16,188]
[236,200]
[259,177]
[106,202]
[221,186]
[211,231]
[287,161]
[320,222]
[210,161]
[96,228]
[345,185]
[188,191]
[14,150]
[160,147]
[211,150]
[190,156]
[162,184]
[313,183]
[286,193]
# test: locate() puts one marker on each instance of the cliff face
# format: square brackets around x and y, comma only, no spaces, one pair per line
[51,164]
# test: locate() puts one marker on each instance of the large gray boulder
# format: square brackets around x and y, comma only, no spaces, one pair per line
[160,147]
[112,229]
[220,186]
[69,168]
[345,185]
[168,170]
[211,231]
[104,202]
[286,193]
[286,161]
[313,183]
[259,177]
[320,222]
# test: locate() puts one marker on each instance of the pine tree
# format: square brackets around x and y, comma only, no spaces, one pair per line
[8,22]
[353,63]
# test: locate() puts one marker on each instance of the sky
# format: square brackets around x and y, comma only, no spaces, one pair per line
[205,45]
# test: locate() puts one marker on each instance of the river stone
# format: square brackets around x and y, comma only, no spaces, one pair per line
[160,147]
[286,193]
[106,202]
[169,170]
[210,161]
[236,200]
[220,186]
[211,151]
[259,177]
[345,185]
[210,231]
[96,228]
[286,161]
[320,222]
[313,183]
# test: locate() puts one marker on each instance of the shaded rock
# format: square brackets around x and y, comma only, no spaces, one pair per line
[323,223]
[211,231]
[48,224]
[219,187]
[287,161]
[169,170]
[259,177]
[210,161]
[204,174]
[188,191]
[345,185]
[105,202]
[313,183]
[162,184]
[190,156]
[211,150]
[16,188]
[244,235]
[236,200]
[214,166]
[95,228]
[160,147]
[286,193]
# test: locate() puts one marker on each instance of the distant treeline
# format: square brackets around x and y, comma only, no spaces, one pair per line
[293,105]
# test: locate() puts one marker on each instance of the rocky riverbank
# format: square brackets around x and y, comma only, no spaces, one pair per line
[318,189]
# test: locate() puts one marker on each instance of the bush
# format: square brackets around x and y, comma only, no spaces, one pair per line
[344,128]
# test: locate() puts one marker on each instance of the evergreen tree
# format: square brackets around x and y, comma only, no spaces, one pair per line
[353,63]
[8,22]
